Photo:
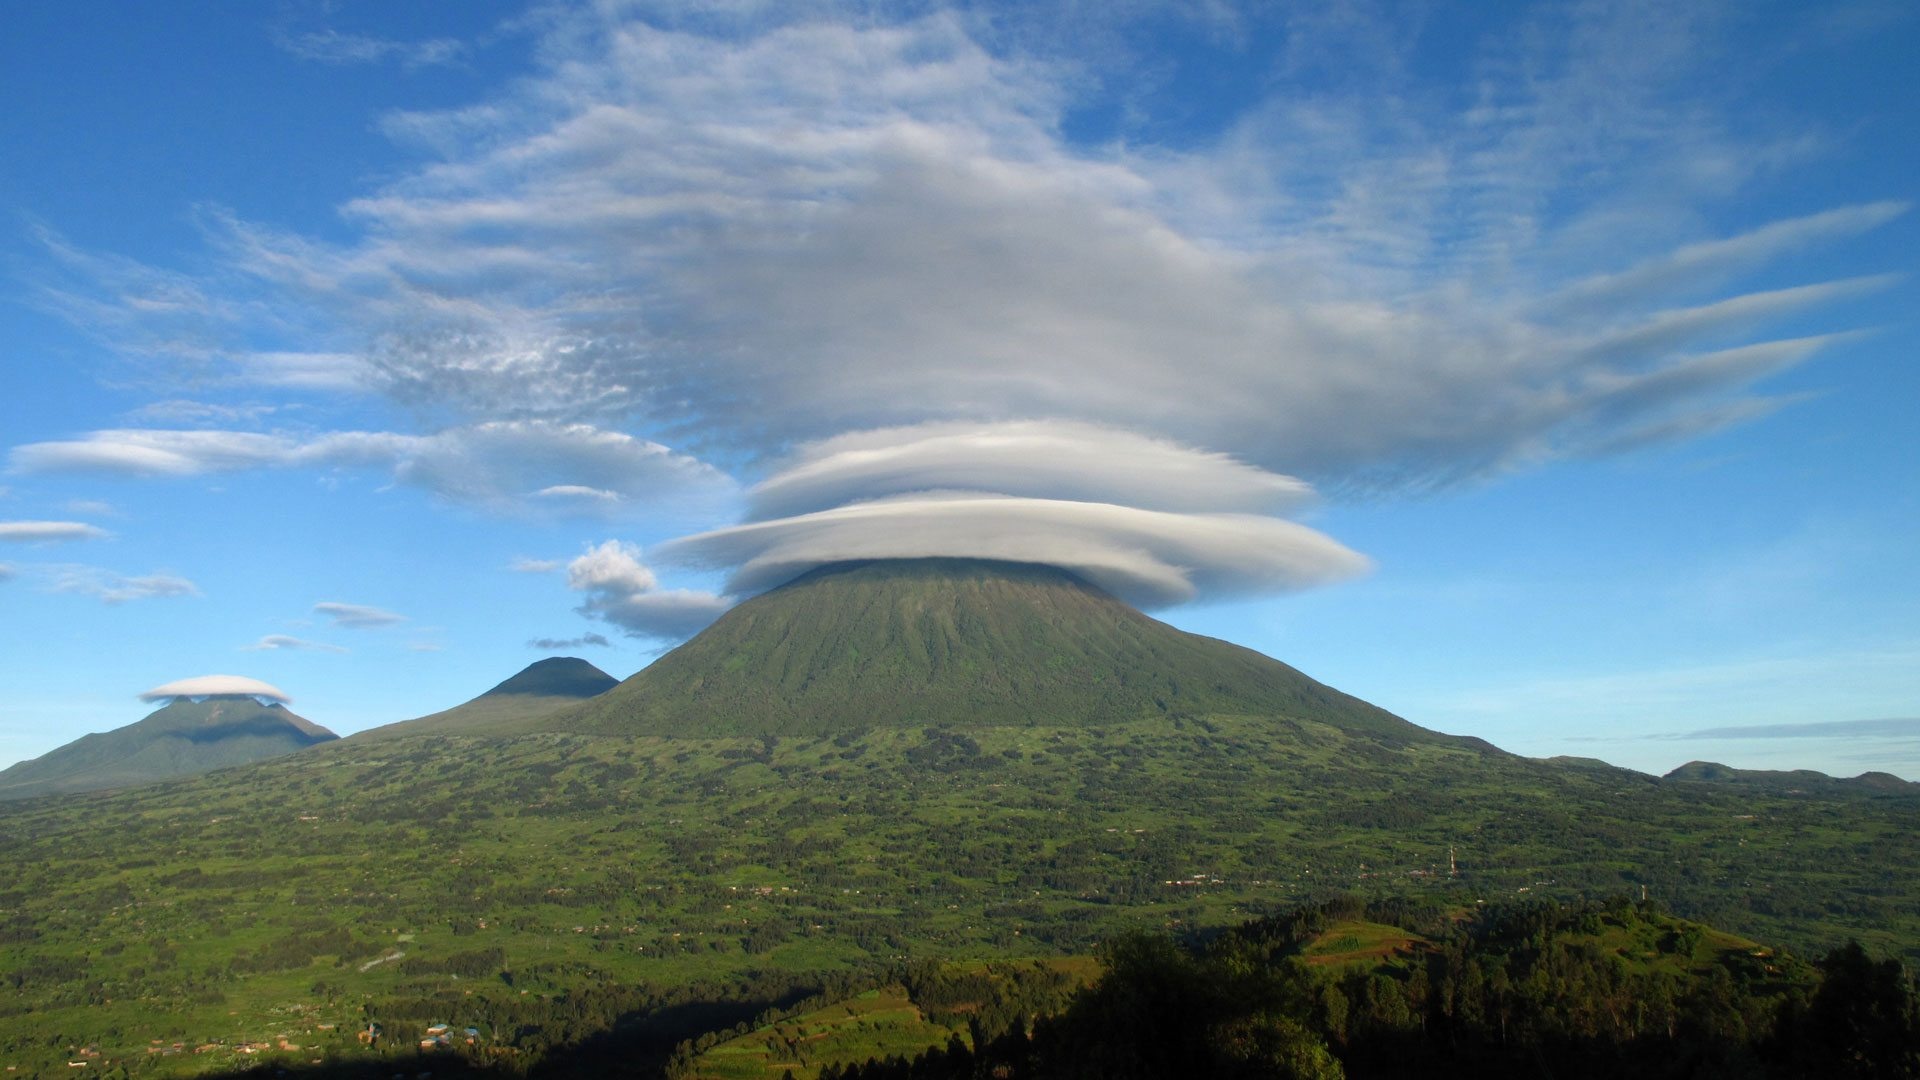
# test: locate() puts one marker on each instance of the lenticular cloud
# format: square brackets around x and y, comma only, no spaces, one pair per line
[1150,521]
[1062,460]
[204,686]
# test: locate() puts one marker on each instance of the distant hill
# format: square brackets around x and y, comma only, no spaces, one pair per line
[538,690]
[962,642]
[181,739]
[1712,772]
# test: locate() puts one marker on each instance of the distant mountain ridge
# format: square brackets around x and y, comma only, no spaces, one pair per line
[1712,772]
[962,642]
[185,737]
[535,691]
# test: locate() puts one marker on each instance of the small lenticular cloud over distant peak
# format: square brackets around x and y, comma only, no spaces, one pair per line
[205,686]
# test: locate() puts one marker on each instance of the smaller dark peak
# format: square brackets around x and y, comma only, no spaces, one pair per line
[1884,781]
[557,676]
[1703,770]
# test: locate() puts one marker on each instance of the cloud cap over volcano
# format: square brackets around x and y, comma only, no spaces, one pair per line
[1150,558]
[202,686]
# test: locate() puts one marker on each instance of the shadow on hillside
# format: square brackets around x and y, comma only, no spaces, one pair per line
[638,1044]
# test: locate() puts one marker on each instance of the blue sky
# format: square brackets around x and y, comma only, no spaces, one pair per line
[1539,372]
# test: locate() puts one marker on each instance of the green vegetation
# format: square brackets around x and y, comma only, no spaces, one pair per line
[581,897]
[937,1005]
[439,878]
[914,643]
[183,738]
[1523,990]
[541,688]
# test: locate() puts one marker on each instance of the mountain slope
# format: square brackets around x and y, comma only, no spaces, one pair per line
[540,688]
[913,643]
[1867,783]
[184,738]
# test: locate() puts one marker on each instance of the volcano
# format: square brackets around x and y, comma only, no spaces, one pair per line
[188,736]
[537,690]
[956,642]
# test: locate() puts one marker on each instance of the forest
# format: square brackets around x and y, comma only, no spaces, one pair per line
[1522,990]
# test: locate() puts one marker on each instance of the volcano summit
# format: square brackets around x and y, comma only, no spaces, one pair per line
[956,642]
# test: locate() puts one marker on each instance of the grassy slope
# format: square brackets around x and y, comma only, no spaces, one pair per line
[948,641]
[542,688]
[181,739]
[877,1023]
[177,912]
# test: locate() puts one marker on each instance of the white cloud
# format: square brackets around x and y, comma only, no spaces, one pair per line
[92,507]
[524,565]
[1692,267]
[1148,557]
[1906,727]
[1151,521]
[216,686]
[330,372]
[282,641]
[1060,460]
[756,229]
[357,616]
[610,567]
[862,259]
[27,532]
[334,47]
[570,643]
[577,492]
[494,464]
[622,590]
[198,413]
[7,573]
[111,587]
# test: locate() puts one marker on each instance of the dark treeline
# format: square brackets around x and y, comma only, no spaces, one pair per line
[1520,991]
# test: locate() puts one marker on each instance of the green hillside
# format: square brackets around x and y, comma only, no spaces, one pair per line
[435,879]
[541,688]
[569,893]
[915,643]
[1794,780]
[181,739]
[1343,987]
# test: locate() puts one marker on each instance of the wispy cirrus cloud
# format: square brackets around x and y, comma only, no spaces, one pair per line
[1893,728]
[273,642]
[357,616]
[44,532]
[762,228]
[596,640]
[335,47]
[520,466]
[114,588]
[190,413]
